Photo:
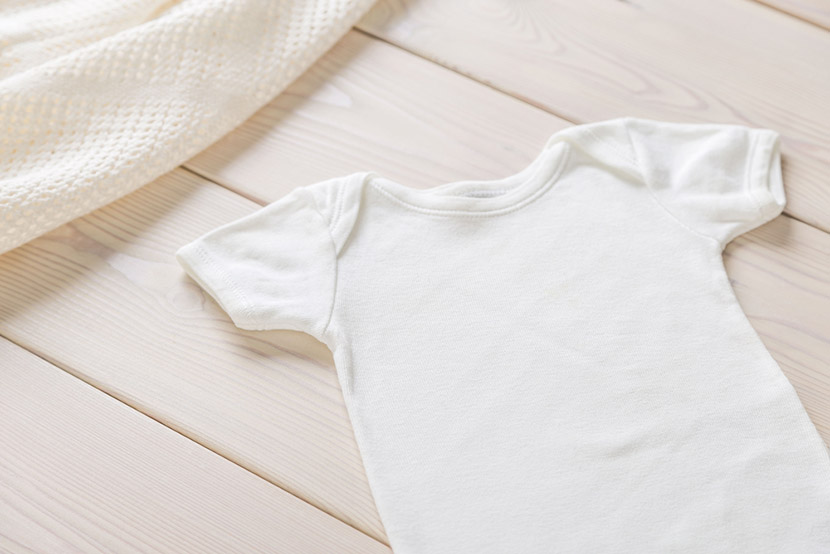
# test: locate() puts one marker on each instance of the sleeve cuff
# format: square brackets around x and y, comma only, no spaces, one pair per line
[200,265]
[765,180]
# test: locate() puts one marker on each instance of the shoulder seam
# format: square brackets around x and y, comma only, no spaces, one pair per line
[338,208]
[634,160]
[753,155]
[328,225]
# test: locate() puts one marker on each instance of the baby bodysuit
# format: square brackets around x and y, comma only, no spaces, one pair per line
[553,361]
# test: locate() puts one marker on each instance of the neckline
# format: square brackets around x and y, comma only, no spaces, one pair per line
[489,195]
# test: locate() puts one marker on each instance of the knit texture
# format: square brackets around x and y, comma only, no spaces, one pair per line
[98,98]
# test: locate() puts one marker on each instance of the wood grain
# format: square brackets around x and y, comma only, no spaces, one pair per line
[104,297]
[369,105]
[781,276]
[456,129]
[710,60]
[816,12]
[82,472]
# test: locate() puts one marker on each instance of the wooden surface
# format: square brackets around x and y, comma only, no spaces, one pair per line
[134,416]
[83,472]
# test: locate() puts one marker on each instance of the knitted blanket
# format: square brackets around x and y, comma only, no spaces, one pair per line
[98,98]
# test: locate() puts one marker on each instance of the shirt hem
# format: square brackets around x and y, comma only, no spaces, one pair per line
[198,262]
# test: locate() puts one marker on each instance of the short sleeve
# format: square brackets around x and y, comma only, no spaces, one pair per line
[720,180]
[271,269]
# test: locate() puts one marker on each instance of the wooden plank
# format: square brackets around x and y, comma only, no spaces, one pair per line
[816,12]
[82,472]
[368,105]
[731,62]
[333,122]
[104,297]
[781,276]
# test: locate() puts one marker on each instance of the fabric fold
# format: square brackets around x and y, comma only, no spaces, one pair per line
[96,105]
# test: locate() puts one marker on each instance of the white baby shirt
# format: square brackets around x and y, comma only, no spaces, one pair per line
[553,361]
